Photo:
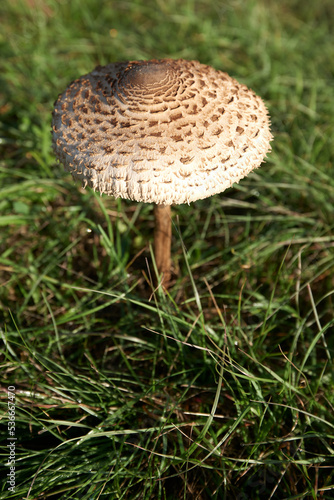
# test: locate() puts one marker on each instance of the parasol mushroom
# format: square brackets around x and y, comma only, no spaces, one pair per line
[162,131]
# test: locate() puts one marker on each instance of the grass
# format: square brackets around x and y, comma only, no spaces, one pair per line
[224,385]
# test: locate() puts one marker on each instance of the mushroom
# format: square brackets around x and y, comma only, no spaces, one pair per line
[162,131]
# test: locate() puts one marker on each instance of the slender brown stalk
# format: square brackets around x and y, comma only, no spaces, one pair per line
[162,241]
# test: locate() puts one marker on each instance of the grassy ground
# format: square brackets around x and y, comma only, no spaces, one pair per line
[222,389]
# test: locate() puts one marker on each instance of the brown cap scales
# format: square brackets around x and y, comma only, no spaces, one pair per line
[162,131]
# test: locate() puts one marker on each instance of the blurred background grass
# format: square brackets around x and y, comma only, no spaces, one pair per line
[225,385]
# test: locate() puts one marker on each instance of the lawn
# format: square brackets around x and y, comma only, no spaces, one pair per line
[222,387]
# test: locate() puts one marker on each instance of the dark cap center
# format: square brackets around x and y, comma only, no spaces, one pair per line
[144,75]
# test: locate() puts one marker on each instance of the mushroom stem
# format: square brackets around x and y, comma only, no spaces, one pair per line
[163,240]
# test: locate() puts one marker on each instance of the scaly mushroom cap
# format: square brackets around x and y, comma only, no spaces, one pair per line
[162,131]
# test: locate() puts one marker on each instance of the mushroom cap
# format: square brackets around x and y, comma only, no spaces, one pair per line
[163,131]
